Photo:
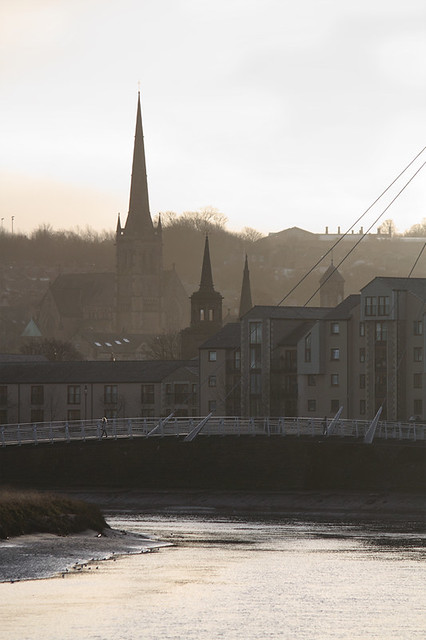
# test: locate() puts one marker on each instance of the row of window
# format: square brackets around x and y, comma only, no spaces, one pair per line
[379,379]
[74,393]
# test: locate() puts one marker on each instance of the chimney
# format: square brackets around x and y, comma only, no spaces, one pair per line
[338,230]
[326,231]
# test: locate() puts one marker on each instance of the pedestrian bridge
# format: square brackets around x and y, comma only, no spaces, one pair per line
[190,427]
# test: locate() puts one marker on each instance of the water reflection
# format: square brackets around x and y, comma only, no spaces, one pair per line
[235,578]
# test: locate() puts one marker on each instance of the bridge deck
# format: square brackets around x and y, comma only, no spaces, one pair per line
[19,434]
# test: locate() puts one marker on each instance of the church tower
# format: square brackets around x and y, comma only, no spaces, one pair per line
[332,286]
[139,253]
[206,311]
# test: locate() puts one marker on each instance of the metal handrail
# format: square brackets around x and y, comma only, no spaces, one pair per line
[86,430]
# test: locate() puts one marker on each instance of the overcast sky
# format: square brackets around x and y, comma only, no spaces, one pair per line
[278,113]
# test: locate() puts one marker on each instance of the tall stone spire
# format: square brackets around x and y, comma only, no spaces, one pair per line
[206,283]
[245,299]
[139,218]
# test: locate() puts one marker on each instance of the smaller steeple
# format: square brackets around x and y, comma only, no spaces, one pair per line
[245,299]
[118,230]
[206,282]
[159,225]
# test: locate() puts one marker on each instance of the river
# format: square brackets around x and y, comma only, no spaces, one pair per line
[236,578]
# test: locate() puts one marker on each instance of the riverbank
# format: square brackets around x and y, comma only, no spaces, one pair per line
[25,512]
[341,505]
[45,555]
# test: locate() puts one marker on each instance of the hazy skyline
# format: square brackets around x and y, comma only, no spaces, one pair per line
[278,114]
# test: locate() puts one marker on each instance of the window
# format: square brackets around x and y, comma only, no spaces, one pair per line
[334,406]
[418,407]
[255,357]
[418,354]
[3,394]
[362,407]
[211,315]
[383,306]
[308,343]
[417,381]
[255,384]
[370,306]
[335,354]
[212,356]
[212,405]
[255,332]
[181,393]
[3,416]
[312,405]
[381,332]
[418,328]
[37,394]
[237,360]
[202,315]
[73,414]
[334,328]
[362,355]
[311,381]
[212,381]
[147,394]
[37,415]
[73,394]
[362,329]
[362,380]
[334,379]
[110,394]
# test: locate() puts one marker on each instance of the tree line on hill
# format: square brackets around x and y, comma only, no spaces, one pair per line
[277,262]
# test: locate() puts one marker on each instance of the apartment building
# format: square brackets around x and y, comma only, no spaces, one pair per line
[49,391]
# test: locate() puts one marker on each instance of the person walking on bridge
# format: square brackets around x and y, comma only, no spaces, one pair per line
[104,423]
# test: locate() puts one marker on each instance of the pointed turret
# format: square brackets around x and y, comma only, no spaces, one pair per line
[139,220]
[332,285]
[206,283]
[118,230]
[245,300]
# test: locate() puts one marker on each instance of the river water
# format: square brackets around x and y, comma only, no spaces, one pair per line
[234,578]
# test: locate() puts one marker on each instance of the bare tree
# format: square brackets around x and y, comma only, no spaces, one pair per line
[248,234]
[53,350]
[388,227]
[165,346]
[417,230]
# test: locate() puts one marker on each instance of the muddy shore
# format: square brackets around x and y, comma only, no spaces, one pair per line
[301,504]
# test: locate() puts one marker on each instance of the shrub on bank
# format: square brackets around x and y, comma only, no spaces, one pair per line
[24,512]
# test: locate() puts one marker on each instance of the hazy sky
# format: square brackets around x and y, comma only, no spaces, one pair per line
[278,113]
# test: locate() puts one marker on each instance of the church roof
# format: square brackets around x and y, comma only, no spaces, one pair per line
[73,292]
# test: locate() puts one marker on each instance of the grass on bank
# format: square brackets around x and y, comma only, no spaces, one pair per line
[24,512]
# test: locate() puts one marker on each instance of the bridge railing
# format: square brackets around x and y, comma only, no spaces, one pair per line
[80,430]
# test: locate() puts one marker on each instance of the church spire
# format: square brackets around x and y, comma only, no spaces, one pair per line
[206,283]
[139,218]
[245,299]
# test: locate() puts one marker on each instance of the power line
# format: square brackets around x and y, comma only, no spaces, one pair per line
[351,227]
[369,229]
